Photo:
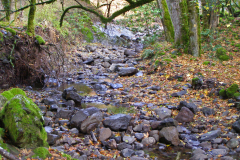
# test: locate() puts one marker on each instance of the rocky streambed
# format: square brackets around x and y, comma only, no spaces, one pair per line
[108,106]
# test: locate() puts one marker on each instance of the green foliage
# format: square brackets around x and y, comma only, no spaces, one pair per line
[87,34]
[147,54]
[231,90]
[40,40]
[41,152]
[12,31]
[206,63]
[224,58]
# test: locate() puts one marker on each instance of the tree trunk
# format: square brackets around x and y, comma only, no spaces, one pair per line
[166,20]
[210,14]
[194,29]
[7,8]
[31,26]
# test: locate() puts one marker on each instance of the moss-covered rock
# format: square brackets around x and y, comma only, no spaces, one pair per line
[222,93]
[40,40]
[221,54]
[224,58]
[3,100]
[197,83]
[231,90]
[2,144]
[23,120]
[41,152]
[236,95]
[12,31]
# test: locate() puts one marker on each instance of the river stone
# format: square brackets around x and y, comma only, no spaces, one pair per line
[167,122]
[149,141]
[127,71]
[179,94]
[111,144]
[236,126]
[91,122]
[138,128]
[91,110]
[64,113]
[104,134]
[127,152]
[232,143]
[163,112]
[128,139]
[137,158]
[169,135]
[185,115]
[208,111]
[71,94]
[210,135]
[48,101]
[117,122]
[217,152]
[128,52]
[139,153]
[23,120]
[123,145]
[114,67]
[190,106]
[78,118]
[139,136]
[116,85]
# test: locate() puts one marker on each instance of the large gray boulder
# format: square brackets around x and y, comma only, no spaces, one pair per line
[169,135]
[185,115]
[210,135]
[127,71]
[117,122]
[92,122]
[78,118]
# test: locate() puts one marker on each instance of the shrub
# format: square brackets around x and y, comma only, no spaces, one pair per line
[221,51]
[148,53]
[231,90]
[41,152]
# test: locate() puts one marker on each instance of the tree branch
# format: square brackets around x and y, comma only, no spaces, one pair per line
[114,15]
[7,154]
[25,7]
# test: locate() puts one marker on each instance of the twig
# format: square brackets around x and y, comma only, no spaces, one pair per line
[178,156]
[6,154]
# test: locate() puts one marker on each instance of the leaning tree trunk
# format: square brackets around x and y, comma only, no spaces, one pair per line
[7,8]
[194,28]
[166,20]
[31,27]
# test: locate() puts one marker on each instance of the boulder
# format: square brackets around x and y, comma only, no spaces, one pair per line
[190,106]
[232,143]
[127,152]
[117,122]
[78,118]
[169,135]
[236,126]
[208,111]
[179,94]
[23,120]
[91,123]
[64,114]
[210,135]
[127,71]
[3,100]
[163,112]
[104,134]
[149,141]
[71,94]
[185,115]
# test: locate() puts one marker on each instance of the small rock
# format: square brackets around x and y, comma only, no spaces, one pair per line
[149,141]
[163,112]
[127,152]
[232,143]
[179,94]
[210,135]
[104,134]
[185,115]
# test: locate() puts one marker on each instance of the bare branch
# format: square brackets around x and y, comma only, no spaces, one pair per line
[7,154]
[114,15]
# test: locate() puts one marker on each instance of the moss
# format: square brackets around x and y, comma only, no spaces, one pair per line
[87,33]
[220,51]
[194,81]
[206,63]
[173,56]
[68,156]
[12,31]
[237,94]
[237,45]
[168,60]
[184,41]
[213,64]
[1,37]
[11,93]
[40,40]
[31,15]
[2,144]
[23,120]
[224,58]
[222,93]
[168,22]
[231,90]
[41,152]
